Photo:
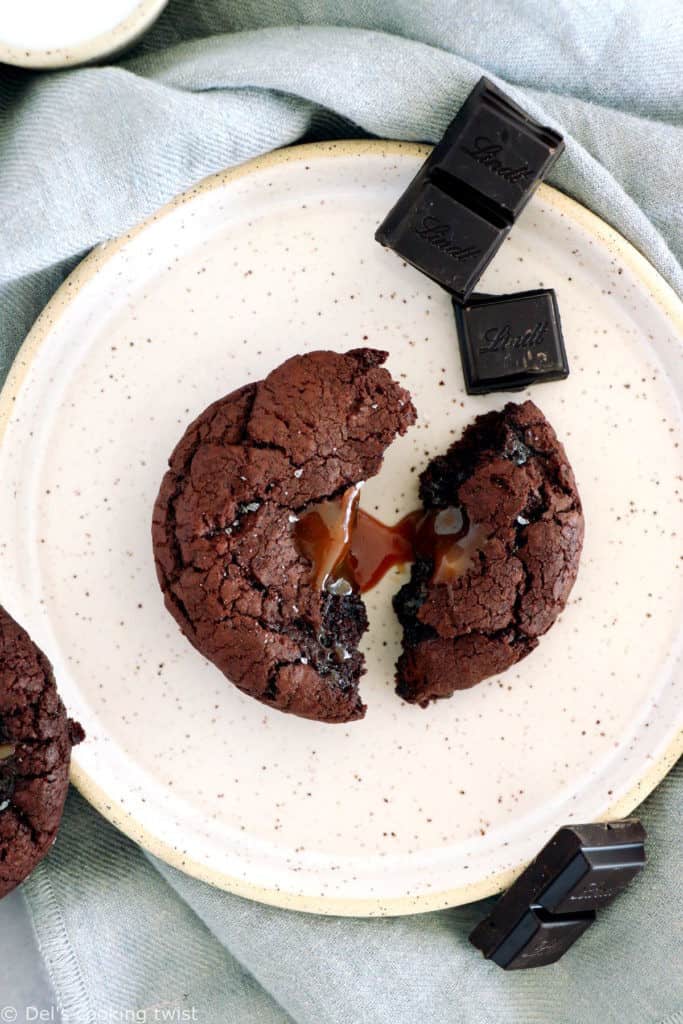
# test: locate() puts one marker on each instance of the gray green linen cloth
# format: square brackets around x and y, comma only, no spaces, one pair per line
[85,154]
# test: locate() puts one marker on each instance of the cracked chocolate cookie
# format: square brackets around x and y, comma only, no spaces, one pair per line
[36,738]
[510,540]
[232,573]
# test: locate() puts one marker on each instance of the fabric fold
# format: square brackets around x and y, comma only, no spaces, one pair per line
[117,940]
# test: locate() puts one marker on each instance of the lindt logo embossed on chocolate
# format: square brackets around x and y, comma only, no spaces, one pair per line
[440,236]
[501,339]
[487,153]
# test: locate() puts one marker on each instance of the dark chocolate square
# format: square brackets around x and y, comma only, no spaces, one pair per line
[593,878]
[540,938]
[442,237]
[494,147]
[509,342]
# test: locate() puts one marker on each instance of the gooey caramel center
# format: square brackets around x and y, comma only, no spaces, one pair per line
[352,550]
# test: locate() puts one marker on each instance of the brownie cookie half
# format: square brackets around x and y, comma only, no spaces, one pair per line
[232,574]
[513,560]
[36,738]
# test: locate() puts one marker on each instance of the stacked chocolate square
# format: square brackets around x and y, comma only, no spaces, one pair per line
[580,871]
[453,218]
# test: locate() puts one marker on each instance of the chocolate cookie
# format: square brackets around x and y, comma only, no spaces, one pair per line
[505,574]
[233,576]
[36,738]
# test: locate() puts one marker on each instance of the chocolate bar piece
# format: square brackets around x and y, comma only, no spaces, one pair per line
[508,342]
[458,210]
[554,900]
[497,149]
[444,237]
[609,857]
[540,938]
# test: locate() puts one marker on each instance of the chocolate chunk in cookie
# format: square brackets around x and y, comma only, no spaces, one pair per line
[482,604]
[36,738]
[233,575]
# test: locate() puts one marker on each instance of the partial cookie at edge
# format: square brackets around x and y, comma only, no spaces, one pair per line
[36,738]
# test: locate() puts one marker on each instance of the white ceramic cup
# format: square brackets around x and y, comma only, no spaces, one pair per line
[64,33]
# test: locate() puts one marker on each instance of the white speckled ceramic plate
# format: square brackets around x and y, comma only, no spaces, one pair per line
[408,810]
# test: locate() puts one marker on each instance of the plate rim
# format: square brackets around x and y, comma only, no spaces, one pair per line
[105,44]
[115,813]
